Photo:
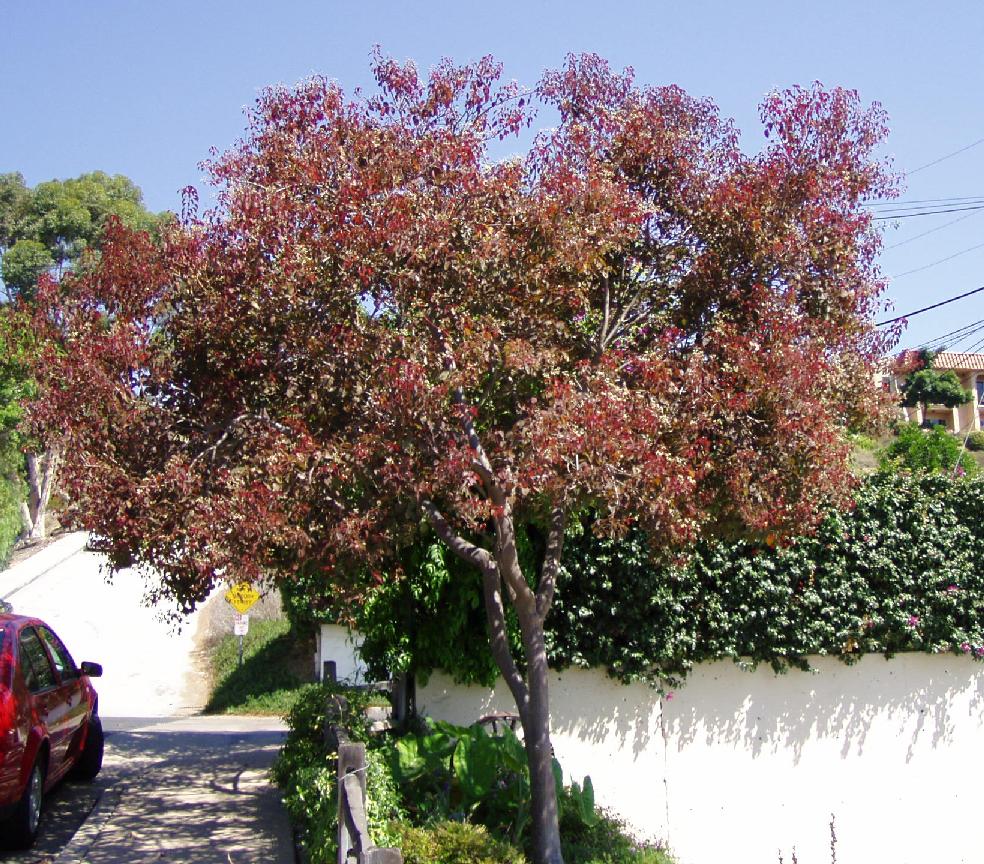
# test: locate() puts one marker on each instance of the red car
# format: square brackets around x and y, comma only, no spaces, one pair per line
[49,723]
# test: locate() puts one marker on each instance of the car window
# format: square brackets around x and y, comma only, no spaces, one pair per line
[63,661]
[38,674]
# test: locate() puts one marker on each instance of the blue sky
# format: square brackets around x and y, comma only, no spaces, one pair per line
[145,89]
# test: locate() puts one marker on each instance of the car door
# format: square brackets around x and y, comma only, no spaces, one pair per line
[49,704]
[70,695]
[11,740]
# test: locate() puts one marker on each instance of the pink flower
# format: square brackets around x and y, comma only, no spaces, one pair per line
[952,589]
[913,620]
[965,647]
[979,651]
[669,696]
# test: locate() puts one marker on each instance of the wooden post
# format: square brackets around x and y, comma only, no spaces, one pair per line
[404,699]
[351,758]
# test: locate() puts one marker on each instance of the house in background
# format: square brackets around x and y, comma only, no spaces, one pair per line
[969,368]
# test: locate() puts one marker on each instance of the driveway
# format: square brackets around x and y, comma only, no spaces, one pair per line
[174,786]
[150,663]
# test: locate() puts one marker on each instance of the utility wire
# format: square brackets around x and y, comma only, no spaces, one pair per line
[931,208]
[931,231]
[944,158]
[927,308]
[941,261]
[956,345]
[928,213]
[960,343]
[955,337]
[974,348]
[962,332]
[895,202]
[940,203]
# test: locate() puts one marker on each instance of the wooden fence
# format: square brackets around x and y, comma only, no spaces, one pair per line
[355,846]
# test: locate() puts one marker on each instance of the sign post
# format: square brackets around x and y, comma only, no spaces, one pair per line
[240,627]
[241,597]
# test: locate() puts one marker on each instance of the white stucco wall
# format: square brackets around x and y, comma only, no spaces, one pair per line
[737,765]
[341,645]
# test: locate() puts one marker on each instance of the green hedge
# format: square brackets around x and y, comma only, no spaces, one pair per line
[901,572]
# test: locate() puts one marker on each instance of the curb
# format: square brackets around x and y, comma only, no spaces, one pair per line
[18,577]
[88,833]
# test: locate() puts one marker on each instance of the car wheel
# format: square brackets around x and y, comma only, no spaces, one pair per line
[91,759]
[23,825]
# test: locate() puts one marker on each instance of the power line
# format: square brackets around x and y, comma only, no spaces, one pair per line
[956,343]
[941,261]
[927,213]
[962,332]
[931,231]
[944,158]
[927,308]
[974,348]
[902,204]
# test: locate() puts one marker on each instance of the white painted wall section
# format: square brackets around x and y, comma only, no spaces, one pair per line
[738,766]
[341,645]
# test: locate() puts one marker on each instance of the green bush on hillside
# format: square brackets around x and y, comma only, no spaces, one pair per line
[975,440]
[931,450]
[264,683]
[11,495]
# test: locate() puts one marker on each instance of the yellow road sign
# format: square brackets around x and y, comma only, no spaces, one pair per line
[242,596]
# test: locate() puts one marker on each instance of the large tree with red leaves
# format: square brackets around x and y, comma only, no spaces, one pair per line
[380,330]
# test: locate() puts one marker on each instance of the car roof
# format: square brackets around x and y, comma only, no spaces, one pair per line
[8,618]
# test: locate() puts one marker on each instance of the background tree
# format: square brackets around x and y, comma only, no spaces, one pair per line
[49,227]
[379,328]
[43,231]
[16,386]
[928,386]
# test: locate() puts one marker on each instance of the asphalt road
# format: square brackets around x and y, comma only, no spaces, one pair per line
[175,786]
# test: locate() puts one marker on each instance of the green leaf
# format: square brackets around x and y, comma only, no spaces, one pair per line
[475,765]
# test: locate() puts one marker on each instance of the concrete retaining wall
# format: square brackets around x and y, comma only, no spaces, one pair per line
[738,766]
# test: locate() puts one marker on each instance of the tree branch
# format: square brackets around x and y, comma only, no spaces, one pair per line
[604,327]
[623,315]
[499,639]
[467,552]
[494,606]
[507,560]
[551,561]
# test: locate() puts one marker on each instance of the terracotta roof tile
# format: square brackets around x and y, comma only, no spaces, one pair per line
[958,360]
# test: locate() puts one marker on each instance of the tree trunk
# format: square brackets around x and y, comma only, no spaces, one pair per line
[532,694]
[41,473]
[539,751]
[502,577]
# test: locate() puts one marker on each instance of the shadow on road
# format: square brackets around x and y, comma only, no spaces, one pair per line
[172,791]
[66,808]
